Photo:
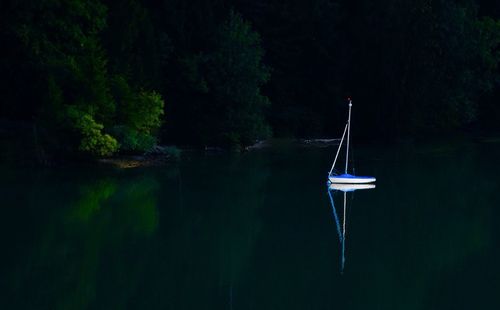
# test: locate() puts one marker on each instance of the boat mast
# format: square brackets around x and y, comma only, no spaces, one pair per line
[348,134]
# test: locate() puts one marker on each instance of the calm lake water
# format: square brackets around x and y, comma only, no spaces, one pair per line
[256,231]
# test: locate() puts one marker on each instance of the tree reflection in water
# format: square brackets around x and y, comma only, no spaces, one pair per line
[105,215]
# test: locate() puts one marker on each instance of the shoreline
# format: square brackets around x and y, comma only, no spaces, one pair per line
[23,152]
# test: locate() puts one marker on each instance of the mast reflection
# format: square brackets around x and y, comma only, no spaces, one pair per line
[341,227]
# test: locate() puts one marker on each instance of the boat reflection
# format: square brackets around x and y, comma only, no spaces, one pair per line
[333,189]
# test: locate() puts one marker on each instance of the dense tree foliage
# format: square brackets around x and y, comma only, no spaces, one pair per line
[234,75]
[92,75]
[62,45]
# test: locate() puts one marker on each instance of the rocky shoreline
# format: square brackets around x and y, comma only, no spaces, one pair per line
[162,155]
[158,156]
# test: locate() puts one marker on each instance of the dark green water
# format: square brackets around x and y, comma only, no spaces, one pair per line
[256,231]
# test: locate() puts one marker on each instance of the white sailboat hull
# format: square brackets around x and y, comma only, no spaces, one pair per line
[350,179]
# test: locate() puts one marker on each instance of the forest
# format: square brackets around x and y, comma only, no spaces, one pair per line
[97,78]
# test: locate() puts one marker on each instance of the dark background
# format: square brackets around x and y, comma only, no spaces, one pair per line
[415,68]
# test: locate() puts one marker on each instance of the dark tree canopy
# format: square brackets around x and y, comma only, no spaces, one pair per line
[92,75]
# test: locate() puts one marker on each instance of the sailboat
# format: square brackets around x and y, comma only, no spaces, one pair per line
[347,178]
[341,227]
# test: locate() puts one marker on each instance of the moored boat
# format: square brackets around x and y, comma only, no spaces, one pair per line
[347,178]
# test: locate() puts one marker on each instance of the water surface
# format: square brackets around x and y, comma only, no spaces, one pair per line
[256,231]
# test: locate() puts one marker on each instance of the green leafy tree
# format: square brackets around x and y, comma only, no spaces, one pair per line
[132,43]
[139,116]
[70,56]
[144,112]
[235,75]
[64,41]
[93,140]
